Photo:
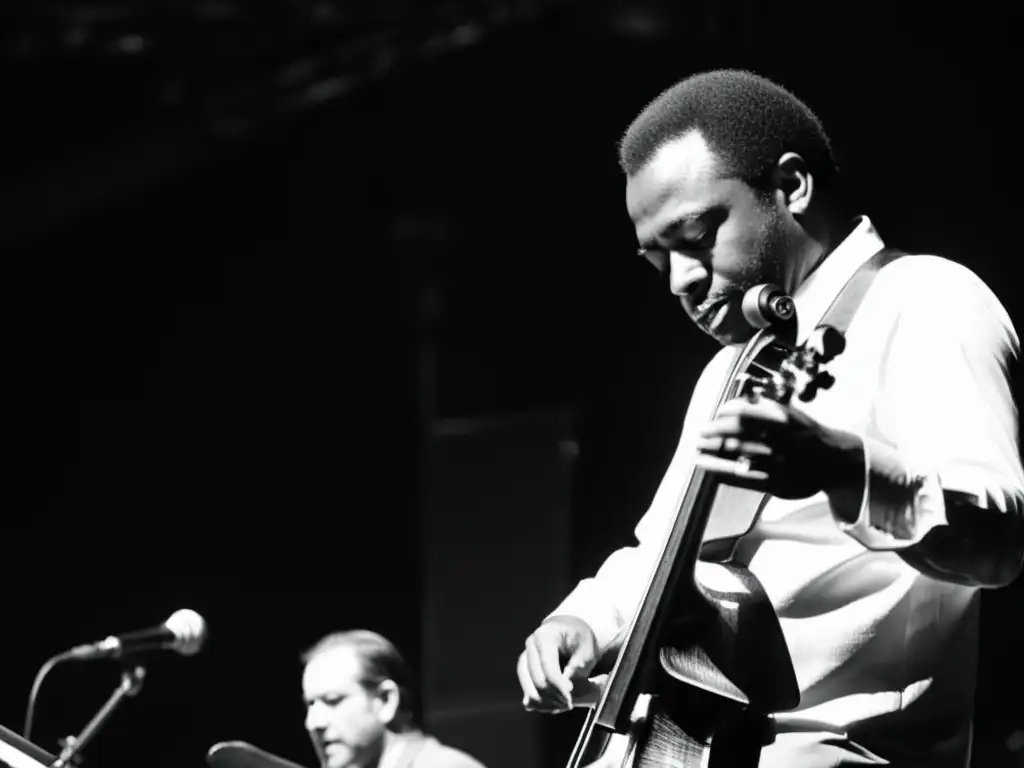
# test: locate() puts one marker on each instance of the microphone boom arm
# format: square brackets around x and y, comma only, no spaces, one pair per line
[130,685]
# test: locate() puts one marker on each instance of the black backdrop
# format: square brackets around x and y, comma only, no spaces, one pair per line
[215,371]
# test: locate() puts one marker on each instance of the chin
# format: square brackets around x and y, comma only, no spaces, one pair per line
[728,337]
[341,758]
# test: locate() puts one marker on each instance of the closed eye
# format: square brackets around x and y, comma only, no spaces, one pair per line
[330,701]
[658,255]
[705,240]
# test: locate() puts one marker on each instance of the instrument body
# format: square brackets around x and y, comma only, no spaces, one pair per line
[704,661]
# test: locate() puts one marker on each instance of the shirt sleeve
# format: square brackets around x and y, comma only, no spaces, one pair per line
[607,600]
[944,418]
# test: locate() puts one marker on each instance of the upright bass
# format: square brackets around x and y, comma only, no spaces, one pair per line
[704,663]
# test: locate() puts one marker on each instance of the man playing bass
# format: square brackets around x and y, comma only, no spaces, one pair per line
[894,497]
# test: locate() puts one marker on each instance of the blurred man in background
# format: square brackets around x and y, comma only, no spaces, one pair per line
[359,712]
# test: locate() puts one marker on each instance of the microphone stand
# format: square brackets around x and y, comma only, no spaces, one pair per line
[131,683]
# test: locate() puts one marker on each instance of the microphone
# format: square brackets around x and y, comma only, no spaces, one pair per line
[184,632]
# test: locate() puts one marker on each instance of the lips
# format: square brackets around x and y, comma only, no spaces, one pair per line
[706,317]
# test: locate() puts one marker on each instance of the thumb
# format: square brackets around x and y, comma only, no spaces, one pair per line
[579,663]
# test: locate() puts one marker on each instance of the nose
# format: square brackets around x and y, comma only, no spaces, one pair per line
[686,275]
[315,717]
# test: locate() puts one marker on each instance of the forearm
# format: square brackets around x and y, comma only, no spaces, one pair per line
[607,600]
[947,535]
[977,547]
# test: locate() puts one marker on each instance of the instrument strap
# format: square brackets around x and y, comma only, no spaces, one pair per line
[840,313]
[750,735]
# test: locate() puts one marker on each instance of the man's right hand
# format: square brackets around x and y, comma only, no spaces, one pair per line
[560,650]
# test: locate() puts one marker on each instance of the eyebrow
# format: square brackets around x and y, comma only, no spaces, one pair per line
[670,229]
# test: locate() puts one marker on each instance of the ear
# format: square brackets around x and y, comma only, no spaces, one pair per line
[795,182]
[389,697]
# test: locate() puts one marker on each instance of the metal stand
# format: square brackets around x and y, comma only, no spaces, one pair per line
[131,684]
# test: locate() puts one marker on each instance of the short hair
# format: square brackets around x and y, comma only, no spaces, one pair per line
[748,121]
[380,661]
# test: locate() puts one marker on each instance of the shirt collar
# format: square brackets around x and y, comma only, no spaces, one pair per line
[401,748]
[817,292]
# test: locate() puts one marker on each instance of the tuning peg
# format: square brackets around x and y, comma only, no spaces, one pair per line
[751,387]
[825,342]
[823,380]
[766,304]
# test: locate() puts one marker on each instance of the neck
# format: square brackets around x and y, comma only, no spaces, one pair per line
[375,757]
[826,229]
[390,744]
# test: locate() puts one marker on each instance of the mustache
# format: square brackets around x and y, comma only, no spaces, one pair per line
[732,291]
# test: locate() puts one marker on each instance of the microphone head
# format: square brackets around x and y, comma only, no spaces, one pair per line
[189,630]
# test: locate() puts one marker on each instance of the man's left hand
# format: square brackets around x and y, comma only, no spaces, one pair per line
[767,446]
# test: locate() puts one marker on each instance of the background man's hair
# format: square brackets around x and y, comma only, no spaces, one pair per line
[380,661]
[747,120]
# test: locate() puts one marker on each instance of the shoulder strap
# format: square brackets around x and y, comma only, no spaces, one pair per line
[840,313]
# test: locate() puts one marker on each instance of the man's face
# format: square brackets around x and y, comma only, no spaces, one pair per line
[713,236]
[345,719]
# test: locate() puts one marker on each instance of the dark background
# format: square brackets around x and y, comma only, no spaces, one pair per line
[234,238]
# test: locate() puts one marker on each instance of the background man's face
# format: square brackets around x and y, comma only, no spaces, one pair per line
[343,715]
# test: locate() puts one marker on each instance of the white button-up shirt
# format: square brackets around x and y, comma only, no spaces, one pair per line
[885,656]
